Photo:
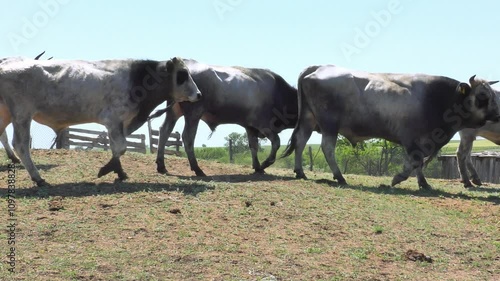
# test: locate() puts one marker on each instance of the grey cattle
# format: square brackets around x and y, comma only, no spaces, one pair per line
[420,112]
[490,131]
[259,100]
[4,112]
[119,94]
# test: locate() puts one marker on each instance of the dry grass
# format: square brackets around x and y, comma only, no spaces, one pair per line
[237,226]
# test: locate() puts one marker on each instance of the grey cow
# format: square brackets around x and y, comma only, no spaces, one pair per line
[259,100]
[4,111]
[420,112]
[490,131]
[119,94]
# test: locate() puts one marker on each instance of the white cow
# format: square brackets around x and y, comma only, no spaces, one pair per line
[119,94]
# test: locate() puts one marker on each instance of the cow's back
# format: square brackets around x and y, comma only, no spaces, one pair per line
[244,96]
[367,105]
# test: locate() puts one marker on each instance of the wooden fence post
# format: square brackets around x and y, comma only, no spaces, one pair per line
[178,139]
[311,165]
[231,160]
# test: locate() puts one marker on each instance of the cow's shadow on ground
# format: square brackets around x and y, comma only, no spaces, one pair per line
[85,189]
[237,178]
[5,168]
[438,193]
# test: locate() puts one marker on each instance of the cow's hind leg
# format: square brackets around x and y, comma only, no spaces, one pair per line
[253,143]
[165,131]
[275,145]
[5,120]
[118,145]
[328,144]
[10,153]
[301,137]
[21,143]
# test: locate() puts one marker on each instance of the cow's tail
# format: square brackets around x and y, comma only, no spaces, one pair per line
[290,148]
[160,112]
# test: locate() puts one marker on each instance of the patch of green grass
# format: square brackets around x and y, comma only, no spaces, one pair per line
[378,229]
[314,250]
[358,253]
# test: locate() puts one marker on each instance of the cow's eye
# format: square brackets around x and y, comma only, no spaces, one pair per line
[182,77]
[482,100]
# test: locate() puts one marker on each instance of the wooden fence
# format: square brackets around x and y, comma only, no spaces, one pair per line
[153,141]
[487,165]
[88,139]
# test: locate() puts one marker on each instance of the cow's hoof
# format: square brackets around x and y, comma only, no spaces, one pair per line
[477,181]
[300,176]
[42,183]
[468,184]
[162,170]
[200,173]
[425,186]
[104,171]
[15,160]
[266,164]
[122,176]
[342,182]
[259,172]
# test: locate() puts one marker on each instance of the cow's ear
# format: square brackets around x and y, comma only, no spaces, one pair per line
[464,88]
[170,66]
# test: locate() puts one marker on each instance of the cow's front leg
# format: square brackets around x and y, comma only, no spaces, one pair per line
[118,145]
[328,144]
[473,173]
[188,136]
[21,143]
[165,131]
[275,145]
[422,182]
[463,159]
[414,160]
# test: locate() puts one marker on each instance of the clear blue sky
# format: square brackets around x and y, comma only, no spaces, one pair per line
[451,38]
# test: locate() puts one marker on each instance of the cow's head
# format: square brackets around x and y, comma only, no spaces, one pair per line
[183,87]
[480,102]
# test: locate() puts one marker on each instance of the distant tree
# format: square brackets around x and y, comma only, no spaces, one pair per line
[375,157]
[240,142]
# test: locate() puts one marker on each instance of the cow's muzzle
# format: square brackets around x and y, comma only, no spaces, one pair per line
[195,97]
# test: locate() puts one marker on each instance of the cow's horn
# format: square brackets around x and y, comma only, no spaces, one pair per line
[471,80]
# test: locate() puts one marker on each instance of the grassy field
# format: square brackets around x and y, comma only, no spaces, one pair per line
[221,154]
[234,225]
[479,146]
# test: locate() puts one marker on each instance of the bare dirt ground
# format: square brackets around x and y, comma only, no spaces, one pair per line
[234,225]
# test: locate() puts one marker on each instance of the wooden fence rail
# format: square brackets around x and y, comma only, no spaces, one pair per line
[89,139]
[153,141]
[487,165]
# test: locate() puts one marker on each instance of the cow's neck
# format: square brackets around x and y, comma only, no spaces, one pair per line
[149,88]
